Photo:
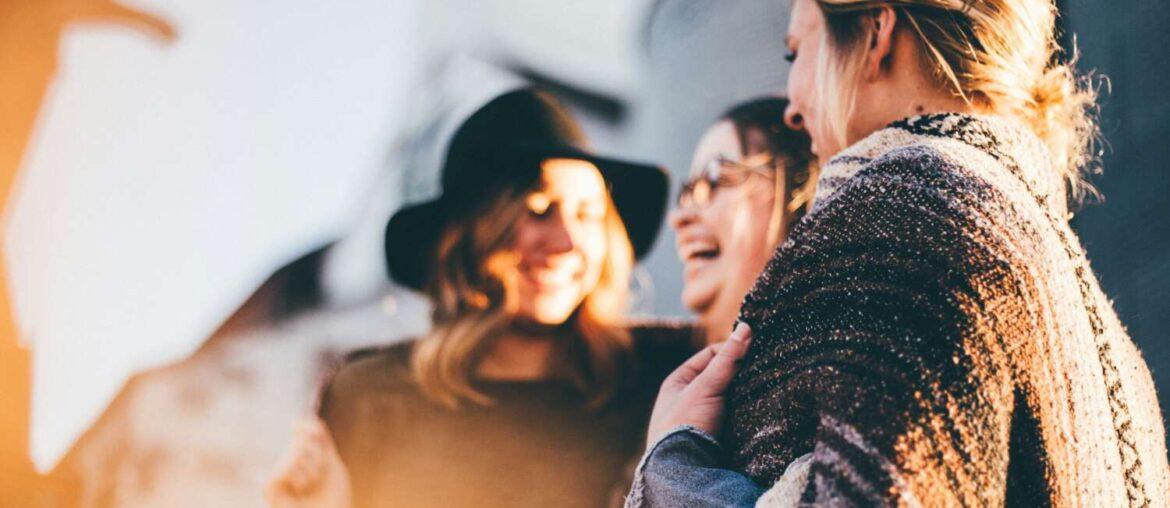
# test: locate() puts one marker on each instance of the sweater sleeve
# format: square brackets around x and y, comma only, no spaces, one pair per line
[877,349]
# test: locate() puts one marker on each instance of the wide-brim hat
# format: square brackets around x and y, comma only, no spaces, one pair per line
[501,146]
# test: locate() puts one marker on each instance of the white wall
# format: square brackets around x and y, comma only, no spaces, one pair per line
[166,182]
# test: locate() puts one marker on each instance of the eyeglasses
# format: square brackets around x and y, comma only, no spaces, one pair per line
[700,189]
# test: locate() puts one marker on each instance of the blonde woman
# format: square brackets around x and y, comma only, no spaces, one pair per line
[532,390]
[932,333]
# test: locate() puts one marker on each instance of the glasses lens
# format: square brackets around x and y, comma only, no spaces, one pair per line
[700,189]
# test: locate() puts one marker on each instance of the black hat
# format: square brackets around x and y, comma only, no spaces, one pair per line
[501,146]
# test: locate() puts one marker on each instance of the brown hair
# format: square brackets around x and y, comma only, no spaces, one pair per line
[792,151]
[1001,55]
[472,297]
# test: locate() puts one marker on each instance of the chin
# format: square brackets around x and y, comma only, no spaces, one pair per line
[697,301]
[549,319]
[553,312]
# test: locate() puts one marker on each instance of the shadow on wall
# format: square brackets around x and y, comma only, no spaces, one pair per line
[30,34]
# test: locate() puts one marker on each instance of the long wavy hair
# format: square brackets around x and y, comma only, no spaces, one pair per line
[473,294]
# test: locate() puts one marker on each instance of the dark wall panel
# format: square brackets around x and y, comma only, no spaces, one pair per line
[1128,235]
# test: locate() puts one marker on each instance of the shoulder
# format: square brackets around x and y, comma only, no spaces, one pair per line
[377,362]
[383,371]
[396,353]
[914,192]
[928,171]
[929,221]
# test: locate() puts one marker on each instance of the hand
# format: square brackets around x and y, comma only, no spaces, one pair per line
[313,475]
[694,393]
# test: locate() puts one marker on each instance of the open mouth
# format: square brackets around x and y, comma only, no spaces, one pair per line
[699,250]
[551,278]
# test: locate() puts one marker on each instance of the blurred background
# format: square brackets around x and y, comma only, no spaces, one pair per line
[196,194]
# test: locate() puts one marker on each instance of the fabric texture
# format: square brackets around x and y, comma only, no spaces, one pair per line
[933,335]
[682,468]
[537,445]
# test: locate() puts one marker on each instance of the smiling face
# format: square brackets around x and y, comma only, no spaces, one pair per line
[560,244]
[725,243]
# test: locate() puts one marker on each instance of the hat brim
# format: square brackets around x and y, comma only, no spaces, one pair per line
[639,192]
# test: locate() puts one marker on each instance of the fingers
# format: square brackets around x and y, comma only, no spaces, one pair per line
[714,379]
[691,368]
[302,471]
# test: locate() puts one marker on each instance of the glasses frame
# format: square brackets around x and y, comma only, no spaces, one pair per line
[720,171]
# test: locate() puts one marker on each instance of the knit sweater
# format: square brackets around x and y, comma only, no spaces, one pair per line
[931,334]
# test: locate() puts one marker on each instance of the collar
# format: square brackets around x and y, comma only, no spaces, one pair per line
[1008,144]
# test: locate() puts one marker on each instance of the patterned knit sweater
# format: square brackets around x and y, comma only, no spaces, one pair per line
[932,335]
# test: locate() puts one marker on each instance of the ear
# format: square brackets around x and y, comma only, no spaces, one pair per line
[881,42]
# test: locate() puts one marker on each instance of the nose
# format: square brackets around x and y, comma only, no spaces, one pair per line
[793,118]
[557,236]
[681,217]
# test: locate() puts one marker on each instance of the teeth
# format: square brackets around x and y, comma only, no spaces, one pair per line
[691,249]
[563,276]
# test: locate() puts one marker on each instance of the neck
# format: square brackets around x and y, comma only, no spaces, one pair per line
[714,330]
[929,105]
[520,355]
[919,101]
[718,319]
[901,89]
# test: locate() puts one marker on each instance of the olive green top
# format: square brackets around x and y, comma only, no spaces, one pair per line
[537,445]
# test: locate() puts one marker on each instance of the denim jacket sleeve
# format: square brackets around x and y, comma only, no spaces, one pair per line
[685,468]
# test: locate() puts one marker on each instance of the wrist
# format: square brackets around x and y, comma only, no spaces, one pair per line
[682,428]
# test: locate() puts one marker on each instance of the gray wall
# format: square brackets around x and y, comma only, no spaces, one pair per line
[1128,235]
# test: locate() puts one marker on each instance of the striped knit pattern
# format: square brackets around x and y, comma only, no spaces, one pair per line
[932,335]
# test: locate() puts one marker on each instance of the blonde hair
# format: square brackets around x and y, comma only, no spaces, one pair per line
[473,297]
[1001,55]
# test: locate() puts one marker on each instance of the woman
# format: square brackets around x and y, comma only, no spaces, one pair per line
[751,180]
[531,390]
[932,334]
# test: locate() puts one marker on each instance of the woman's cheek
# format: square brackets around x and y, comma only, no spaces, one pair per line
[717,215]
[594,251]
[525,238]
[752,243]
[758,248]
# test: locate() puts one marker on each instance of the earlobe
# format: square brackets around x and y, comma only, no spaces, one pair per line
[881,40]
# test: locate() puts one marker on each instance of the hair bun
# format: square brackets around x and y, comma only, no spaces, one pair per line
[1062,112]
